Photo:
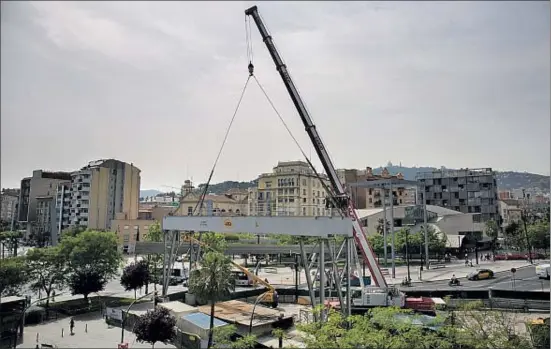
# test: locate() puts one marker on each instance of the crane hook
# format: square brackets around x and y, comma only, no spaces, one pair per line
[251,69]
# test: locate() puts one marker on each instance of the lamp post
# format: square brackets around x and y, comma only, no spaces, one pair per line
[128,309]
[407,253]
[254,308]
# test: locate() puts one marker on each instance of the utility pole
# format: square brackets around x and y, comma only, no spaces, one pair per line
[523,216]
[384,227]
[427,262]
[392,231]
[407,253]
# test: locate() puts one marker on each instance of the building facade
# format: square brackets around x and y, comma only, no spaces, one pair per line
[233,202]
[97,193]
[464,190]
[38,189]
[10,202]
[366,198]
[292,189]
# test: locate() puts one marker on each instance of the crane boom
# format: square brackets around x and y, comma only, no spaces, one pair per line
[341,198]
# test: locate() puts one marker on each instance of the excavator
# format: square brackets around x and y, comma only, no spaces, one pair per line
[270,297]
[380,294]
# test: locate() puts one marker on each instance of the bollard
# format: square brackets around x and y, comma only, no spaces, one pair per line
[86,328]
[37,337]
[62,332]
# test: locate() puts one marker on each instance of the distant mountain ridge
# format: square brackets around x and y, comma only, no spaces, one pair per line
[506,180]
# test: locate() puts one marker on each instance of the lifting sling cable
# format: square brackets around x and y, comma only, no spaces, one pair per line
[200,203]
[325,186]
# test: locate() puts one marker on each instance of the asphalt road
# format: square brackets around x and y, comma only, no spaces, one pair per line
[525,279]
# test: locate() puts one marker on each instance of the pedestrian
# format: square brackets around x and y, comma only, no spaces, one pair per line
[72,325]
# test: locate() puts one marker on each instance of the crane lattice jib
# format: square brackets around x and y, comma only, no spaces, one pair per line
[341,197]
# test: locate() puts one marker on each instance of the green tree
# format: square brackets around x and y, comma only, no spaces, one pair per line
[514,236]
[135,276]
[72,231]
[86,281]
[379,328]
[13,275]
[279,334]
[155,326]
[212,282]
[11,239]
[478,327]
[223,338]
[154,260]
[538,233]
[492,231]
[377,244]
[92,250]
[47,270]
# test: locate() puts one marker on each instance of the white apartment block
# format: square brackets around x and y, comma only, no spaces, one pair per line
[292,189]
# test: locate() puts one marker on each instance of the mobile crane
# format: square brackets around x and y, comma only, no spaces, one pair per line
[371,296]
[269,297]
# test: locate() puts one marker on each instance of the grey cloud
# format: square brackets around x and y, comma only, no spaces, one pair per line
[155,83]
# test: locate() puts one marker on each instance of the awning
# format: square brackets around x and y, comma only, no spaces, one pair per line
[454,240]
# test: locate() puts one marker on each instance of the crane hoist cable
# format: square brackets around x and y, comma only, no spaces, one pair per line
[324,185]
[200,203]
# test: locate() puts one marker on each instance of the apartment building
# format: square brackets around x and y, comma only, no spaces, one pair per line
[96,193]
[366,198]
[464,190]
[37,194]
[9,201]
[292,189]
[510,211]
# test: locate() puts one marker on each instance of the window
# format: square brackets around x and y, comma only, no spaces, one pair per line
[304,211]
[190,210]
[136,227]
[303,191]
[125,227]
[303,200]
[303,181]
[370,200]
[291,200]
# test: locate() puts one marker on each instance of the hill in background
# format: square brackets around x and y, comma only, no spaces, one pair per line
[506,180]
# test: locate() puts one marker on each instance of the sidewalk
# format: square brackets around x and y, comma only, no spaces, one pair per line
[90,331]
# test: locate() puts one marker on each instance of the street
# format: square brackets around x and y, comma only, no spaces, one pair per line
[525,279]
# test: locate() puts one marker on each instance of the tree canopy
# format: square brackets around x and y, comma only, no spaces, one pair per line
[93,250]
[13,275]
[47,269]
[86,281]
[155,326]
[135,275]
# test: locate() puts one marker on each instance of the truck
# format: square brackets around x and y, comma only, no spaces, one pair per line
[378,294]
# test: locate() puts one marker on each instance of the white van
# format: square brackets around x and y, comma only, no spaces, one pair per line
[542,271]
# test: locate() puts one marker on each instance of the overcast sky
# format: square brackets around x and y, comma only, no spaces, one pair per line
[456,84]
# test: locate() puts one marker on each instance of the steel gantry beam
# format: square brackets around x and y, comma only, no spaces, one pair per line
[318,227]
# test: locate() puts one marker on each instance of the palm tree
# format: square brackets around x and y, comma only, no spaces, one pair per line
[212,282]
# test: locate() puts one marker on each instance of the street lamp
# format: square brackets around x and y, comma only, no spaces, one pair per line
[130,306]
[407,253]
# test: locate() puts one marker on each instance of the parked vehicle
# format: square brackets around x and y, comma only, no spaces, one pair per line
[542,271]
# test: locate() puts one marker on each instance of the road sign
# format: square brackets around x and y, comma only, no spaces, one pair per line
[513,270]
[174,204]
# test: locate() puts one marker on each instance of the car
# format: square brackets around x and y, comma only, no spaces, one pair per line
[480,274]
